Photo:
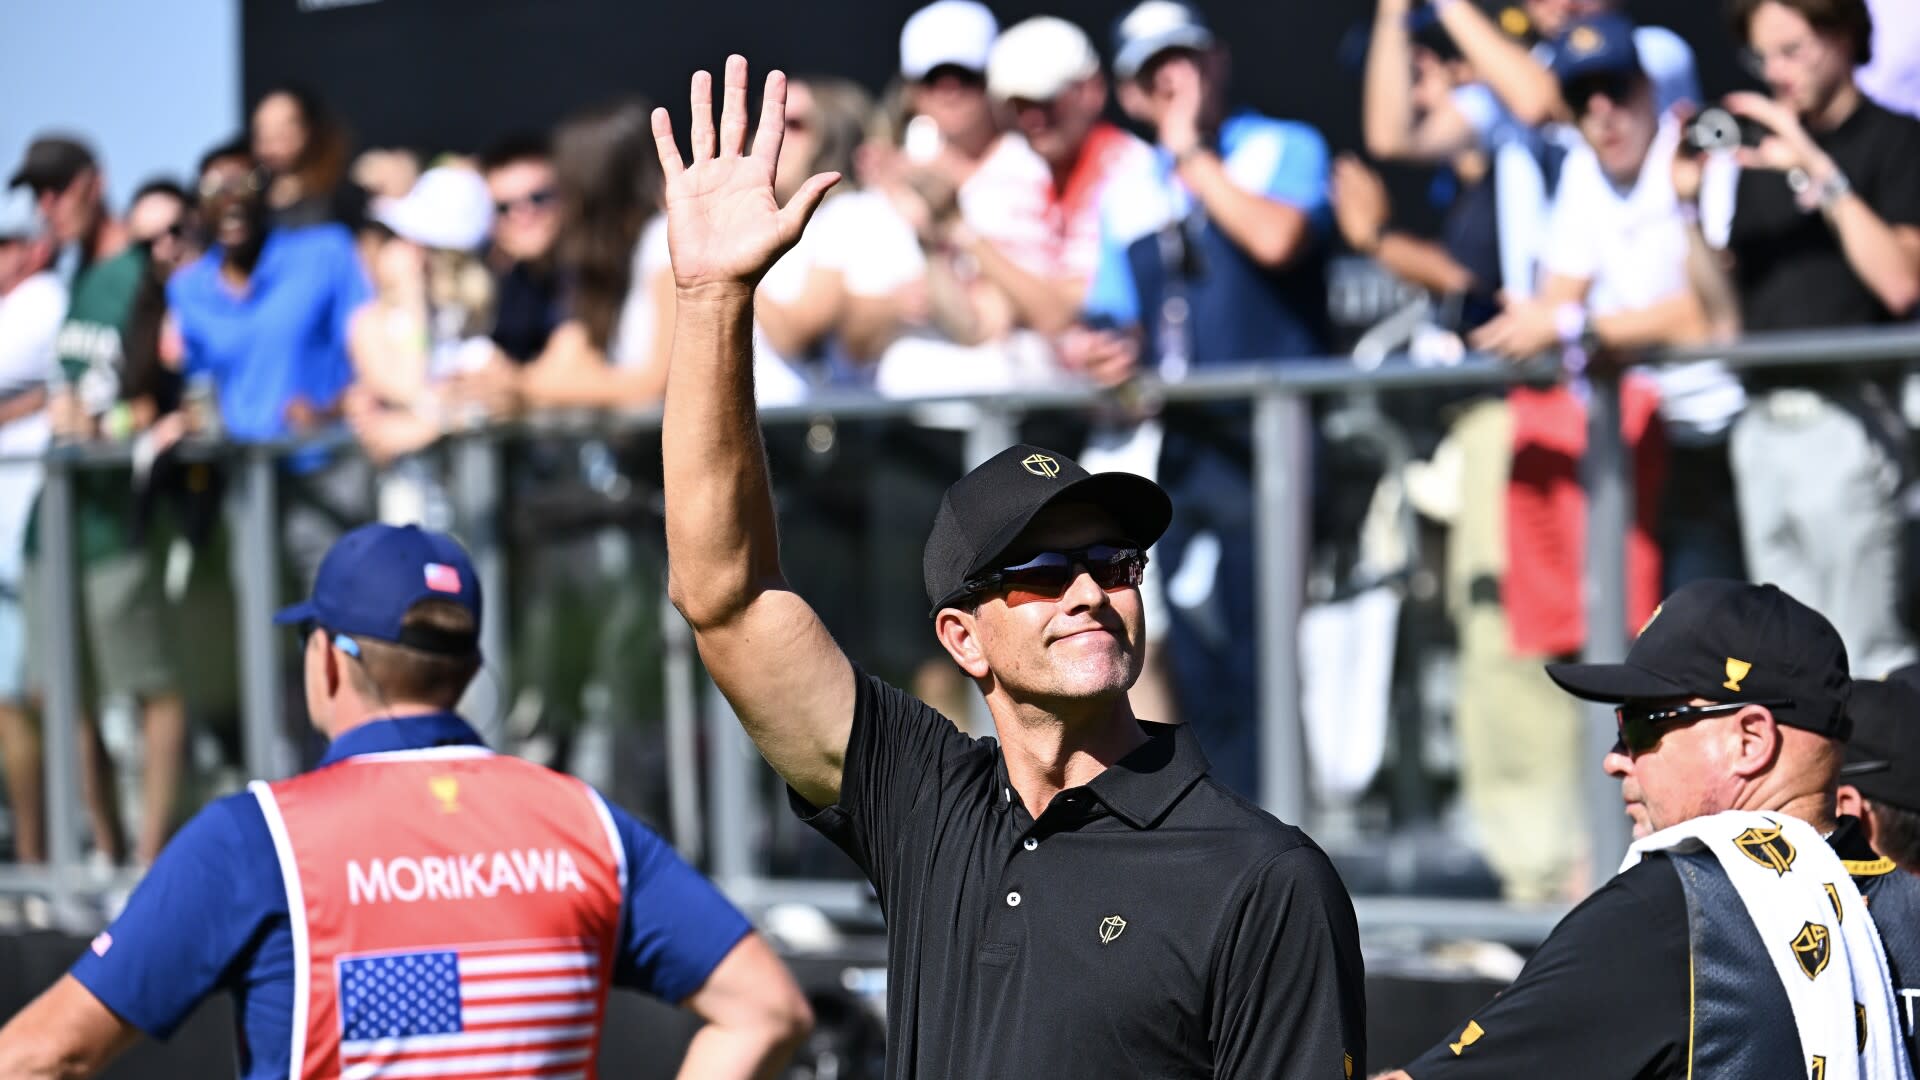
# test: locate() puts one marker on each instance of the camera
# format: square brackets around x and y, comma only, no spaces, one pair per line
[1717,129]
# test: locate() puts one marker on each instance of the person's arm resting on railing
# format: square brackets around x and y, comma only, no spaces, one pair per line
[765,648]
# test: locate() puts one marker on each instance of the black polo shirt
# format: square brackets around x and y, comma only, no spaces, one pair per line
[1608,995]
[1150,924]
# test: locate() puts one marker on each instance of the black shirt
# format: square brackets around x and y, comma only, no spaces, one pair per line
[526,310]
[1607,996]
[1150,924]
[1789,268]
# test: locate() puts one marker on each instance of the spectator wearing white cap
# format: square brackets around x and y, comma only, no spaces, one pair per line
[32,305]
[425,326]
[1039,232]
[943,57]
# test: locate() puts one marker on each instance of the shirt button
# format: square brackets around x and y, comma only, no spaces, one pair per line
[1013,899]
[1030,843]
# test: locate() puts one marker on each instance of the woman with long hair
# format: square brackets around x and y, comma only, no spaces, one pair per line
[307,149]
[612,255]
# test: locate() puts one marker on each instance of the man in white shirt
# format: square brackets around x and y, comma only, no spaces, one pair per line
[33,304]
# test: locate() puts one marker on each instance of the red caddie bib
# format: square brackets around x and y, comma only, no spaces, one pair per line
[455,913]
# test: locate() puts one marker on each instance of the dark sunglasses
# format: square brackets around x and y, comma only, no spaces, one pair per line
[1048,575]
[1641,726]
[1617,88]
[535,200]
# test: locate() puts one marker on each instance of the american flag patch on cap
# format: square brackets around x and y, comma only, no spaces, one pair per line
[442,578]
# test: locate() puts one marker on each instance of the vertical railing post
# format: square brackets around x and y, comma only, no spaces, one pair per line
[1282,508]
[680,681]
[256,557]
[994,430]
[60,660]
[477,497]
[733,812]
[1608,479]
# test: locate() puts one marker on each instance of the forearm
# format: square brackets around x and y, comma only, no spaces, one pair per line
[871,325]
[1712,286]
[720,1053]
[1048,306]
[793,329]
[1678,320]
[951,306]
[1522,83]
[722,540]
[1422,262]
[1386,108]
[1273,233]
[1876,251]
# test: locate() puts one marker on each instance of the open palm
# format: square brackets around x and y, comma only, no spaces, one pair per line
[724,227]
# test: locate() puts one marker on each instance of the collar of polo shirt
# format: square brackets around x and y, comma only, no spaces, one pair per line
[1141,787]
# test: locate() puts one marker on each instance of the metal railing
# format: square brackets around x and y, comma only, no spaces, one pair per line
[724,805]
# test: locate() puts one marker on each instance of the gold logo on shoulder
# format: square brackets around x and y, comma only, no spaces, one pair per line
[1813,947]
[1467,1037]
[1040,465]
[1111,927]
[1346,1062]
[1860,1025]
[1818,1069]
[1833,897]
[1768,848]
[1736,670]
[447,790]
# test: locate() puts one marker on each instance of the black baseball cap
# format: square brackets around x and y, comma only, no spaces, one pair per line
[1729,641]
[51,163]
[985,510]
[1883,757]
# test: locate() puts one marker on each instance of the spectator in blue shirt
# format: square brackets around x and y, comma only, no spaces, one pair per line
[263,316]
[1218,257]
[252,893]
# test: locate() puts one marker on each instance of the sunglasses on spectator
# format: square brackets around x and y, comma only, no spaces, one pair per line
[1047,575]
[1641,726]
[1617,87]
[533,200]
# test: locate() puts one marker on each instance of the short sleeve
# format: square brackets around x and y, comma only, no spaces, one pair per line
[1482,109]
[677,927]
[351,288]
[34,311]
[1605,995]
[874,248]
[1290,988]
[197,911]
[632,343]
[1111,295]
[897,750]
[1579,209]
[1286,162]
[1896,190]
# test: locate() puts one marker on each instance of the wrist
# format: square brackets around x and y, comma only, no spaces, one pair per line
[1368,243]
[714,293]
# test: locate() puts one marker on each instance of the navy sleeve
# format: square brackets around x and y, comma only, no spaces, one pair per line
[1606,995]
[192,917]
[677,927]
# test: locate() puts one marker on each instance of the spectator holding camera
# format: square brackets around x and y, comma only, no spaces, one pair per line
[1819,226]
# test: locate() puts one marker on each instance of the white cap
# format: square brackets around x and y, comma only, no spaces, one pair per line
[1037,59]
[449,207]
[19,215]
[957,32]
[1152,27]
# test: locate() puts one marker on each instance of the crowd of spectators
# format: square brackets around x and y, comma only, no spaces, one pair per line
[1015,214]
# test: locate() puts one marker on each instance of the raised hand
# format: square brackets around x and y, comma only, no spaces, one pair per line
[724,227]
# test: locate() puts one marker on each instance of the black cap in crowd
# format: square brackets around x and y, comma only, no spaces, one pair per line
[51,163]
[1729,641]
[1883,757]
[986,509]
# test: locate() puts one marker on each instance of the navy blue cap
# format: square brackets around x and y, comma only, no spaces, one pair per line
[1150,28]
[1596,45]
[375,574]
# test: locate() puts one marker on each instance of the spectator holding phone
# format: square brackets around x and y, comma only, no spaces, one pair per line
[1819,226]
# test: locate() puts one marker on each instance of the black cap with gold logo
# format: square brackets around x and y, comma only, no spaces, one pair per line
[1883,757]
[1729,641]
[985,510]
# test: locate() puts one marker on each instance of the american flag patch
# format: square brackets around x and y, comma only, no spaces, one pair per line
[525,1009]
[442,578]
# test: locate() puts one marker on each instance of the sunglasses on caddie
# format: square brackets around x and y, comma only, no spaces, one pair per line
[1641,726]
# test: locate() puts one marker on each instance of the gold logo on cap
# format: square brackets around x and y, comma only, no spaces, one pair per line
[1813,947]
[1041,465]
[1584,40]
[447,790]
[1111,927]
[1736,670]
[1768,847]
